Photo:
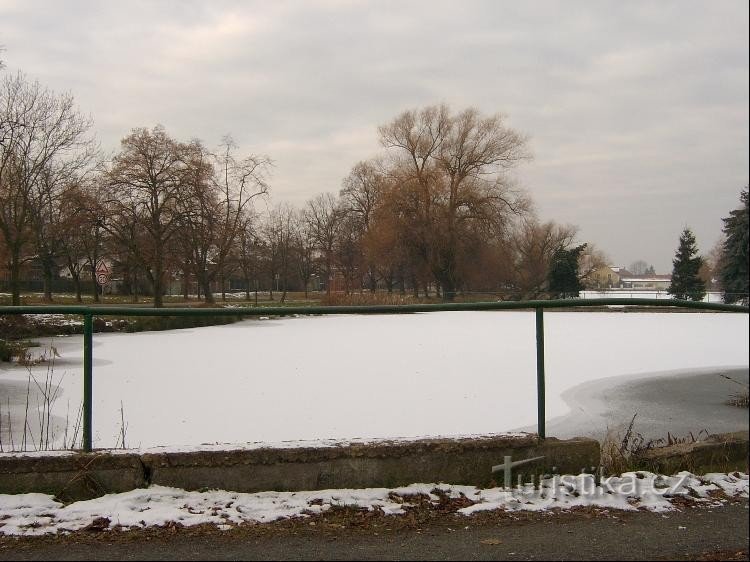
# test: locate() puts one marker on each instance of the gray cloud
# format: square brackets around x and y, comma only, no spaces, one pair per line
[637,112]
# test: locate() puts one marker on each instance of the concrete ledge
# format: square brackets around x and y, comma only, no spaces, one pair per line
[386,464]
[462,461]
[71,477]
[725,452]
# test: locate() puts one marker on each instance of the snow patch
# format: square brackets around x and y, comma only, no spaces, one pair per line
[38,514]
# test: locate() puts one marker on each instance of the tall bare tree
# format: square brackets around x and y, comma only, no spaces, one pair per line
[455,164]
[223,187]
[362,193]
[534,245]
[247,251]
[80,233]
[280,238]
[146,181]
[41,133]
[303,246]
[592,259]
[324,216]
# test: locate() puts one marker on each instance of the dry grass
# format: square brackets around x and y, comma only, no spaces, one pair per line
[38,428]
[739,399]
[622,448]
[369,299]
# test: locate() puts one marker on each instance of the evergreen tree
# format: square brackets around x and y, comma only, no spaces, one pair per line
[686,284]
[733,271]
[563,272]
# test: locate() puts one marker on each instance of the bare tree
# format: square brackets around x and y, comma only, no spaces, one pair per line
[280,236]
[712,263]
[146,182]
[324,216]
[220,187]
[247,252]
[534,245]
[348,251]
[304,250]
[81,236]
[455,164]
[41,133]
[48,224]
[638,267]
[589,262]
[362,193]
[121,222]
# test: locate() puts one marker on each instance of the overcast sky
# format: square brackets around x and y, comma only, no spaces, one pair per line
[637,112]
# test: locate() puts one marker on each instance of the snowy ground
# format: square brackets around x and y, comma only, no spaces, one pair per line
[37,514]
[344,377]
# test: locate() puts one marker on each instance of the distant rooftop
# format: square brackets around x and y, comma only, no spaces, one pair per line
[647,278]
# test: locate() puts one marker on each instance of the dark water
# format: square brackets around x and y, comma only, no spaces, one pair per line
[693,401]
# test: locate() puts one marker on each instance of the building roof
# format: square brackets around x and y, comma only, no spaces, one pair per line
[647,278]
[619,270]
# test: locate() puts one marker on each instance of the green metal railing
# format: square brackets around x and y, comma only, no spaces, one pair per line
[88,313]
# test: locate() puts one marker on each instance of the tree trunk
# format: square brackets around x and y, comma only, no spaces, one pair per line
[15,276]
[92,268]
[206,287]
[329,272]
[388,280]
[133,286]
[77,285]
[186,284]
[157,280]
[449,288]
[47,273]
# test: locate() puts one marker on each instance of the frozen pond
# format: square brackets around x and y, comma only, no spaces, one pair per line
[390,376]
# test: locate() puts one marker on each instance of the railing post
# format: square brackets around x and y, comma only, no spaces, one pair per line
[88,330]
[540,372]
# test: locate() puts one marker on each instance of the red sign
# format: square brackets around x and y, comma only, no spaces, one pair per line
[102,274]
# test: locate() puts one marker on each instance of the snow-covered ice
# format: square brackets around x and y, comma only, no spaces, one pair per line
[385,376]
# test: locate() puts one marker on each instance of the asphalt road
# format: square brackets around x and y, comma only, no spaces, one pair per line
[718,533]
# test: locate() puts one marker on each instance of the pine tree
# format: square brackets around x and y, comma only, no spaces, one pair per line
[733,271]
[563,272]
[686,284]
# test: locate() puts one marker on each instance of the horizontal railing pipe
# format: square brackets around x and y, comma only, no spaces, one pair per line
[371,309]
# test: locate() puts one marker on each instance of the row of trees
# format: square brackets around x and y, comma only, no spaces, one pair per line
[44,146]
[436,211]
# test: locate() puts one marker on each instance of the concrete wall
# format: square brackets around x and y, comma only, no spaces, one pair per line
[464,461]
[71,477]
[725,452]
[456,461]
[385,464]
